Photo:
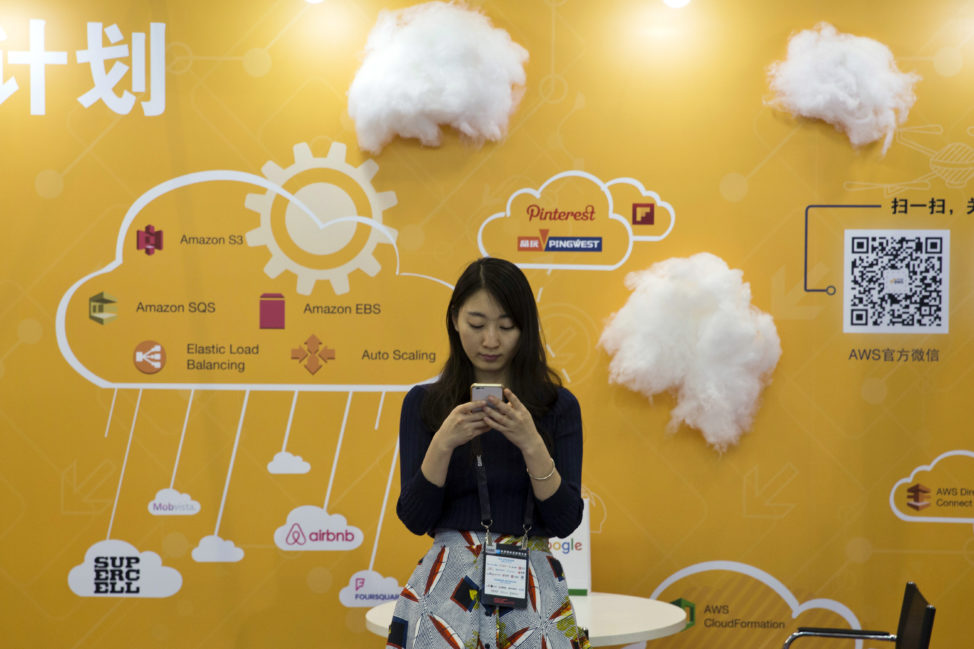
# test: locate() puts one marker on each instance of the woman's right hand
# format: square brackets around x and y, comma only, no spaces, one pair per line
[464,423]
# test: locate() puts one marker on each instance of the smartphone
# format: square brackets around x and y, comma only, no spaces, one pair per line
[480,391]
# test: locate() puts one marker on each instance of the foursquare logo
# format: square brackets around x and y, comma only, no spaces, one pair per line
[544,243]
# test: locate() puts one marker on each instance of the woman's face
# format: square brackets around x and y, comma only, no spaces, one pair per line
[488,335]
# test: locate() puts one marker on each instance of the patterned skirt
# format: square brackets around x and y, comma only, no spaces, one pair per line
[440,605]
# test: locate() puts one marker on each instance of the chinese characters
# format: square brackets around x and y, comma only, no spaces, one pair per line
[145,64]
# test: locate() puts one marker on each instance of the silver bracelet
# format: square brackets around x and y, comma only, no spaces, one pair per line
[550,473]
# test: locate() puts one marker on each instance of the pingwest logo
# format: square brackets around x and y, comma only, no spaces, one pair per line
[297,536]
[545,243]
[918,497]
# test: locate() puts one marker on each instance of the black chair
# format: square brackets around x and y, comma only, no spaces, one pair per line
[913,631]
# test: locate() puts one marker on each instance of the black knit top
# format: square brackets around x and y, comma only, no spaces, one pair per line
[423,507]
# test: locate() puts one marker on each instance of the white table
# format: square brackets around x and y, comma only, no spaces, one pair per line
[611,619]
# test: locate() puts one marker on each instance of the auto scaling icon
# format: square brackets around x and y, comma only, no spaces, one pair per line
[148,240]
[102,308]
[150,357]
[312,354]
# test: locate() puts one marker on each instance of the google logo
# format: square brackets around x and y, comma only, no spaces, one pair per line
[563,546]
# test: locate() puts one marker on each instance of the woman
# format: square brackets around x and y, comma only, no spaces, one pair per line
[526,449]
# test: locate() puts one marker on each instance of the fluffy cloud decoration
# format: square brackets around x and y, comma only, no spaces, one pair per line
[851,82]
[432,64]
[689,327]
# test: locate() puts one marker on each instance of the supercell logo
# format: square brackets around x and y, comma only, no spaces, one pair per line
[117,575]
[558,244]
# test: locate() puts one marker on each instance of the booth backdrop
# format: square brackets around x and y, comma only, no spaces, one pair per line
[201,381]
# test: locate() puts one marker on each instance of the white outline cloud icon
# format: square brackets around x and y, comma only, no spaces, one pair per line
[286,463]
[169,502]
[613,217]
[771,582]
[367,588]
[114,568]
[913,478]
[310,528]
[89,359]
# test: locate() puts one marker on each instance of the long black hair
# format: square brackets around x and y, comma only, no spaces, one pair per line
[534,383]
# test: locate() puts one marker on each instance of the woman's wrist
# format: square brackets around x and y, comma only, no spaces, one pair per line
[441,444]
[546,476]
[537,458]
[536,450]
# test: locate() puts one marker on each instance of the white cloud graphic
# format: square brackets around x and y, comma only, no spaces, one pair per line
[631,183]
[213,549]
[913,477]
[628,186]
[169,502]
[83,347]
[367,588]
[114,568]
[774,584]
[285,462]
[312,528]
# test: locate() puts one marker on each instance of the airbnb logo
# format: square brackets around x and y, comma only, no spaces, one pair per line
[296,536]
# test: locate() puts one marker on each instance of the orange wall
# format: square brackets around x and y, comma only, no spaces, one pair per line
[810,505]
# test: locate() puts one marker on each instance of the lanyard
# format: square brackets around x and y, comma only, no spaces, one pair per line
[486,519]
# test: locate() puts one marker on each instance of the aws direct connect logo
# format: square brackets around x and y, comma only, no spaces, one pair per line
[918,497]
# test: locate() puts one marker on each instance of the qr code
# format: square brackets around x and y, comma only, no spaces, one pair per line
[896,281]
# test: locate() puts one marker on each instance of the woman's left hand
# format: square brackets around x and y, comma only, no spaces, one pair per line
[512,420]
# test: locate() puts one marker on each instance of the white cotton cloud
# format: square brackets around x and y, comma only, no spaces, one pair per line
[213,549]
[285,462]
[689,327]
[433,64]
[851,82]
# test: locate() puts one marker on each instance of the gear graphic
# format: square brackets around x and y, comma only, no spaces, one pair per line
[316,249]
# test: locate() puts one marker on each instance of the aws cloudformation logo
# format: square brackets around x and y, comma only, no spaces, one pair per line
[544,243]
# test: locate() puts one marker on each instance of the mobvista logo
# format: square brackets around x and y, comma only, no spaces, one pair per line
[297,536]
[178,508]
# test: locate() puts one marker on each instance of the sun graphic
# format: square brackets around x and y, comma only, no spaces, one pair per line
[344,231]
